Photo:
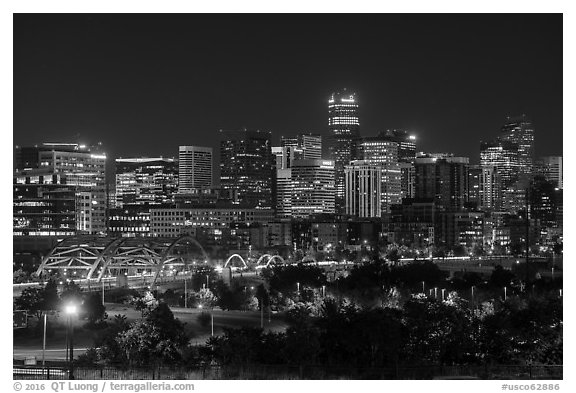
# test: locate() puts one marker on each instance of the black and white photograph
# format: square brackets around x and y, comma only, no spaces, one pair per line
[286,196]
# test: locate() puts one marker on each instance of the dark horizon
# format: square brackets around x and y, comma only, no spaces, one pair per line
[145,84]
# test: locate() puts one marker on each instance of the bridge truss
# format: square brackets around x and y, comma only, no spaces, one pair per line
[95,256]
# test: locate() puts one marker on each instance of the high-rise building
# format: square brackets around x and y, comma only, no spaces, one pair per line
[283,156]
[407,179]
[143,181]
[384,153]
[284,193]
[377,150]
[194,168]
[312,188]
[445,180]
[247,165]
[551,168]
[82,168]
[43,205]
[344,131]
[519,131]
[503,155]
[406,143]
[363,189]
[304,146]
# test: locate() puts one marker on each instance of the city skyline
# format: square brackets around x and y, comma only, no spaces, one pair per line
[230,84]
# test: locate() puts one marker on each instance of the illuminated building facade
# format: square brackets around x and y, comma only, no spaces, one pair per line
[312,188]
[194,168]
[444,180]
[363,189]
[142,181]
[247,165]
[82,168]
[519,131]
[344,131]
[304,146]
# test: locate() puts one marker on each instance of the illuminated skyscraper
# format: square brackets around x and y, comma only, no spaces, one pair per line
[304,146]
[344,131]
[551,168]
[143,181]
[246,166]
[82,168]
[503,155]
[312,188]
[519,130]
[363,189]
[384,153]
[194,168]
[406,143]
[445,180]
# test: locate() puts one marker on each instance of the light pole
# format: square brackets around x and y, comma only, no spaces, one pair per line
[423,287]
[443,289]
[472,294]
[185,294]
[435,292]
[504,293]
[298,287]
[323,290]
[44,341]
[71,311]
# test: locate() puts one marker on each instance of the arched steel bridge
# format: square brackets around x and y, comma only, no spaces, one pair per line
[95,256]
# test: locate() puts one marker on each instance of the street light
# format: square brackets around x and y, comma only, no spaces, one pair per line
[71,310]
[298,287]
[504,293]
[423,287]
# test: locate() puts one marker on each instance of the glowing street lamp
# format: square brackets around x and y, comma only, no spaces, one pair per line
[71,310]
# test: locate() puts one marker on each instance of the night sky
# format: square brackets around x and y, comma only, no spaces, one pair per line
[144,84]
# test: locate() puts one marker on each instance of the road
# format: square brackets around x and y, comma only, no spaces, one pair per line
[56,345]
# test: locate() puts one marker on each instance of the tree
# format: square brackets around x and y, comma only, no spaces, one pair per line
[94,309]
[32,300]
[144,303]
[71,293]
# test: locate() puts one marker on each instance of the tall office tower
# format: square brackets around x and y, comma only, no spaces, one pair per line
[504,156]
[283,157]
[305,146]
[474,186]
[143,181]
[344,130]
[407,180]
[445,180]
[406,143]
[519,130]
[82,168]
[194,168]
[313,188]
[490,189]
[552,169]
[379,151]
[247,165]
[363,189]
[43,205]
[391,186]
[484,187]
[284,193]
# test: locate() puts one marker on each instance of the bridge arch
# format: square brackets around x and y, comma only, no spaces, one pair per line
[235,256]
[267,256]
[309,258]
[275,257]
